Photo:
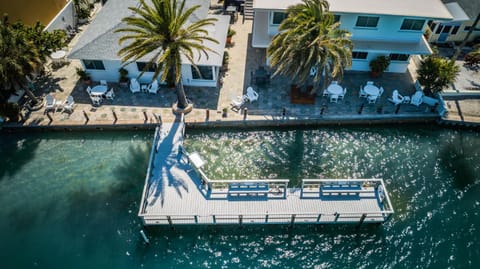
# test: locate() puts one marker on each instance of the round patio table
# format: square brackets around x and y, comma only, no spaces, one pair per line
[371,90]
[99,90]
[335,89]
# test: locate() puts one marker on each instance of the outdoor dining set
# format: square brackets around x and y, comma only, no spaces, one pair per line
[100,92]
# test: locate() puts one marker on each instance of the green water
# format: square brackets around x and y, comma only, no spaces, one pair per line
[69,200]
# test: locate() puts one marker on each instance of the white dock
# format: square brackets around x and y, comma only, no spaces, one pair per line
[178,192]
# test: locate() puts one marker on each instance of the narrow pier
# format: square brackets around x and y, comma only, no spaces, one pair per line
[177,192]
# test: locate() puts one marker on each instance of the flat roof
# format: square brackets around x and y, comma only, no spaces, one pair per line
[414,8]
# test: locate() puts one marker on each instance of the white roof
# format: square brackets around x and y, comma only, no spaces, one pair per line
[457,12]
[414,8]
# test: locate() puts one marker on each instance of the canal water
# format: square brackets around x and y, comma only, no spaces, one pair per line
[69,200]
[30,11]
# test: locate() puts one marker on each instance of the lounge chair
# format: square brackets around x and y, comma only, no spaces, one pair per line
[252,95]
[110,94]
[396,98]
[49,103]
[153,87]
[68,104]
[239,102]
[416,99]
[362,93]
[134,85]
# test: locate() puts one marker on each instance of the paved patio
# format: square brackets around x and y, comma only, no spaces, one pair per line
[142,108]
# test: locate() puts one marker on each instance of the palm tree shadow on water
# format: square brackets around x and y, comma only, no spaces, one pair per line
[20,151]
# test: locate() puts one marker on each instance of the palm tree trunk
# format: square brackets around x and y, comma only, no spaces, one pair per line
[465,40]
[181,97]
[31,95]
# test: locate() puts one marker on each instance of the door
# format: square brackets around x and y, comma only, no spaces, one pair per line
[444,33]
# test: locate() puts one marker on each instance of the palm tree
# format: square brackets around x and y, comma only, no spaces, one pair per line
[164,34]
[18,58]
[309,38]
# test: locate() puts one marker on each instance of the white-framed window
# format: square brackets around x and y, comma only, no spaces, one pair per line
[397,57]
[93,64]
[359,55]
[412,24]
[277,17]
[367,21]
[206,72]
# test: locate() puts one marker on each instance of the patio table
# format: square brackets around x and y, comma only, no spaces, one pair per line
[371,90]
[335,89]
[99,90]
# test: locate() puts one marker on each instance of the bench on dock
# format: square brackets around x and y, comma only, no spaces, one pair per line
[248,188]
[342,188]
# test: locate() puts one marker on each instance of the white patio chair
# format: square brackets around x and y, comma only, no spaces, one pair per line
[96,100]
[49,103]
[89,90]
[416,99]
[252,95]
[68,104]
[381,91]
[342,95]
[369,82]
[372,99]
[110,94]
[134,85]
[239,102]
[362,93]
[103,82]
[333,98]
[153,87]
[396,98]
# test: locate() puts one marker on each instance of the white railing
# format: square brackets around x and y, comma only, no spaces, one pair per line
[146,187]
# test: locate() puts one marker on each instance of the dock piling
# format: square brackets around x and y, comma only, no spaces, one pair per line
[361,220]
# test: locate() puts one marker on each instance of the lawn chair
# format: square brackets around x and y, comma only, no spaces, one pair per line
[416,99]
[110,94]
[362,93]
[396,98]
[68,104]
[134,85]
[239,102]
[252,95]
[49,103]
[372,99]
[153,87]
[333,98]
[96,100]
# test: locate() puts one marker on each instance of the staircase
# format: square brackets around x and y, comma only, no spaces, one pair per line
[248,10]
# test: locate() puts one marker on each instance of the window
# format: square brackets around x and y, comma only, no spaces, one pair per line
[365,21]
[414,25]
[336,18]
[278,17]
[359,55]
[439,29]
[93,65]
[446,29]
[399,57]
[467,28]
[206,72]
[141,66]
[455,30]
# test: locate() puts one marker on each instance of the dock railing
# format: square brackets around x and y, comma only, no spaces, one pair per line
[146,187]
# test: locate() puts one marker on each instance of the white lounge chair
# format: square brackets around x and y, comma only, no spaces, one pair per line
[68,104]
[252,95]
[396,98]
[153,87]
[416,99]
[362,93]
[239,102]
[49,103]
[134,85]
[110,94]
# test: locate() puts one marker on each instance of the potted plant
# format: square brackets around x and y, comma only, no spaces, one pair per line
[84,76]
[123,81]
[83,15]
[379,65]
[225,112]
[230,34]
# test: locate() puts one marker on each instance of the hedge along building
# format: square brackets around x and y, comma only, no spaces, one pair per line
[379,28]
[98,47]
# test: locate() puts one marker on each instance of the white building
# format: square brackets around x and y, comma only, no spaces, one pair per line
[379,27]
[98,47]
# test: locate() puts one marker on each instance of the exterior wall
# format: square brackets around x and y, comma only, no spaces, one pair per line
[65,17]
[111,74]
[458,37]
[388,29]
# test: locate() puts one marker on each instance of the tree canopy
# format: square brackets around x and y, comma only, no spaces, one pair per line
[310,38]
[435,73]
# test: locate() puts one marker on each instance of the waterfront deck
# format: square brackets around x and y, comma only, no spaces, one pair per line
[177,191]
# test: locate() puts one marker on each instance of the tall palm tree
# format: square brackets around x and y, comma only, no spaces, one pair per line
[18,58]
[310,38]
[164,33]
